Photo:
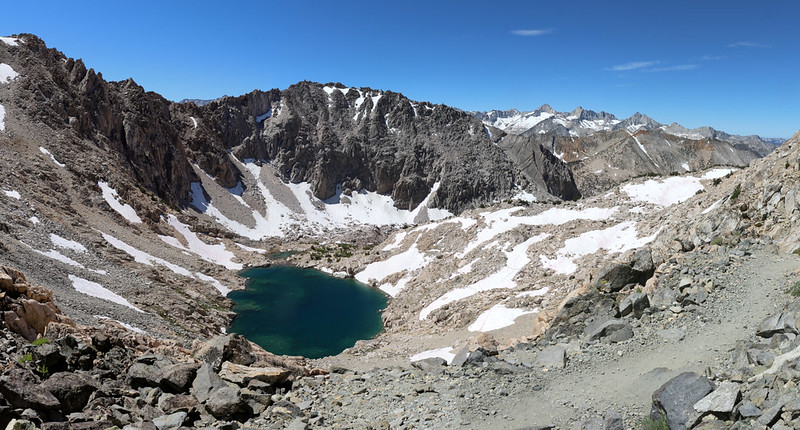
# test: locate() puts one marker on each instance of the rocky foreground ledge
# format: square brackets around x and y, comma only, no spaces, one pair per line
[674,351]
[60,375]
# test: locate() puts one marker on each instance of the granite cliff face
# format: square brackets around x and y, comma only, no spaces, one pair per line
[78,104]
[327,135]
[359,138]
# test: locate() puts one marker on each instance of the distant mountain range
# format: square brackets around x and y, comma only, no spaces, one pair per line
[603,151]
[582,122]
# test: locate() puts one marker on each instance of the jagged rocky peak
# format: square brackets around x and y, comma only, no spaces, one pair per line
[76,102]
[545,108]
[639,121]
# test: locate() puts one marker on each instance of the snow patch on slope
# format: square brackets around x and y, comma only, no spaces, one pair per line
[504,220]
[516,260]
[618,238]
[445,353]
[407,261]
[309,213]
[497,317]
[96,290]
[10,41]
[46,152]
[670,191]
[7,74]
[150,260]
[67,244]
[216,254]
[113,199]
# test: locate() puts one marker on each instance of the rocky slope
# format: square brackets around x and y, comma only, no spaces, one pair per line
[74,376]
[603,151]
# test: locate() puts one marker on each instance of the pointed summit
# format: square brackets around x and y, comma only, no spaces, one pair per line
[545,108]
[639,121]
[577,113]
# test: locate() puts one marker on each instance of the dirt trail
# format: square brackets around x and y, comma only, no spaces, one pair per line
[751,292]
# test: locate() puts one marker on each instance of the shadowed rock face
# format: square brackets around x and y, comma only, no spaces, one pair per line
[379,141]
[541,166]
[80,105]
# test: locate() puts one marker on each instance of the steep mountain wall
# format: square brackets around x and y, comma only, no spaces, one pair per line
[329,136]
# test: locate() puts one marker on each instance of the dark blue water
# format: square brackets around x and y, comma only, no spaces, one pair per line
[293,311]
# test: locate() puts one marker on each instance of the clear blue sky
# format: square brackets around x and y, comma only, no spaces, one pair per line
[733,65]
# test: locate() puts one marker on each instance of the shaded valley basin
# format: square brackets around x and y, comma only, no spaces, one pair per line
[294,311]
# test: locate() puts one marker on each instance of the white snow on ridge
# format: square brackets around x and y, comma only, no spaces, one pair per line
[13,194]
[52,157]
[10,41]
[2,118]
[497,317]
[194,121]
[642,148]
[7,74]
[686,167]
[216,254]
[618,238]
[330,90]
[516,260]
[66,243]
[522,122]
[112,198]
[96,290]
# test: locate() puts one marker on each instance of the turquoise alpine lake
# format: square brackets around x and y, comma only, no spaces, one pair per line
[293,311]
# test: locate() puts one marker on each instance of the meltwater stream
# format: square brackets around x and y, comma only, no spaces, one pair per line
[294,311]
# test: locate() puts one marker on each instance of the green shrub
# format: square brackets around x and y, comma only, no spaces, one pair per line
[795,289]
[736,192]
[27,358]
[717,241]
[796,251]
[651,424]
[716,181]
[41,341]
